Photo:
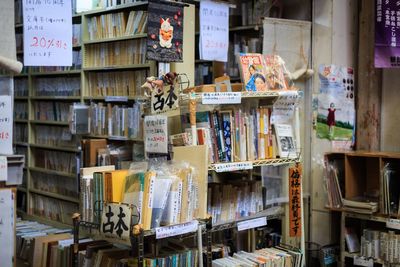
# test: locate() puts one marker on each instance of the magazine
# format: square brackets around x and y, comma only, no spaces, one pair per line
[252,71]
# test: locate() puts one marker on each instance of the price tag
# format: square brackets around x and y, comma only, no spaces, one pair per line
[393,223]
[178,229]
[234,166]
[3,168]
[221,98]
[116,99]
[250,224]
[361,261]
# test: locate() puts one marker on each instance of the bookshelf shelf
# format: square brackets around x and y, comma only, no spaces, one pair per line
[77,46]
[22,189]
[58,148]
[20,98]
[115,39]
[21,75]
[58,98]
[116,138]
[255,163]
[255,27]
[54,195]
[56,73]
[45,221]
[123,67]
[351,255]
[105,98]
[115,8]
[21,121]
[21,144]
[19,25]
[43,170]
[61,123]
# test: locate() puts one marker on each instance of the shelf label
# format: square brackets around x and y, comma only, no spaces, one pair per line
[361,261]
[233,166]
[221,98]
[250,224]
[174,230]
[116,99]
[3,168]
[393,223]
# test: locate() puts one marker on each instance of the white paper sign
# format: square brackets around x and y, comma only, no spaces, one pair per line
[284,107]
[47,32]
[6,227]
[116,221]
[178,229]
[3,168]
[156,134]
[234,166]
[6,125]
[393,223]
[165,101]
[214,31]
[221,98]
[250,224]
[360,261]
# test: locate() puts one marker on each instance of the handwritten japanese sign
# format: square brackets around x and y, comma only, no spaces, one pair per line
[6,125]
[295,201]
[284,107]
[116,221]
[222,98]
[165,101]
[47,32]
[250,224]
[7,227]
[178,229]
[156,134]
[3,168]
[214,31]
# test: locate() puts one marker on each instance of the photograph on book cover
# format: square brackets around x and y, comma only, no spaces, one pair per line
[336,109]
[165,32]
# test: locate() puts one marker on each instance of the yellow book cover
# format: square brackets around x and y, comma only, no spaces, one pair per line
[146,215]
[115,182]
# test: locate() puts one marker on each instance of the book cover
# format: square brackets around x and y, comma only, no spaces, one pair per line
[252,71]
[285,141]
[274,72]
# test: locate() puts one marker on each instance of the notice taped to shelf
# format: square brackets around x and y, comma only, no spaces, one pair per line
[295,201]
[221,98]
[7,227]
[47,35]
[3,168]
[156,134]
[214,31]
[393,224]
[253,223]
[360,261]
[178,229]
[6,125]
[234,166]
[284,107]
[116,221]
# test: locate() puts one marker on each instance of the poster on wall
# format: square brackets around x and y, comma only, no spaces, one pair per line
[165,32]
[387,34]
[336,109]
[47,35]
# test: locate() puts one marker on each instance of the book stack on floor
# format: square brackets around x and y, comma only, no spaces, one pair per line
[277,256]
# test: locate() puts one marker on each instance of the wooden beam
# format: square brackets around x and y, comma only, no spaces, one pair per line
[369,91]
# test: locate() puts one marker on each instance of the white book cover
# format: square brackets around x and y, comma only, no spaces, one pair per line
[285,140]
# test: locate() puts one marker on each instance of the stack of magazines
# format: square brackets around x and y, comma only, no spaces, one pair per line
[360,205]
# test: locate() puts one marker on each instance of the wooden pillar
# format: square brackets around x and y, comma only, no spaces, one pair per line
[369,94]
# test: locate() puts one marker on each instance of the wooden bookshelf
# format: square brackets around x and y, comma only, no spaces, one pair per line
[54,195]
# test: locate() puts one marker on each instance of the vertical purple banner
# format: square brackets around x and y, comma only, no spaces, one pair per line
[387,34]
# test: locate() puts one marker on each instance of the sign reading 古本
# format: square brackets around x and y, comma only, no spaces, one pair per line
[47,32]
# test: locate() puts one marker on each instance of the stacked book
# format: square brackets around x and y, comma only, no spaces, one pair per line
[57,86]
[381,245]
[360,205]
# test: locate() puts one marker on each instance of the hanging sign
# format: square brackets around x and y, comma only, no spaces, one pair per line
[284,107]
[47,33]
[214,31]
[165,32]
[387,34]
[6,125]
[116,221]
[295,201]
[165,101]
[156,134]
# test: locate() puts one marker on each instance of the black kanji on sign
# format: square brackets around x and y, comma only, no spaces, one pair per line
[120,224]
[170,100]
[108,227]
[159,103]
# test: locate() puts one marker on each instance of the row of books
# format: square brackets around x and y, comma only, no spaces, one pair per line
[34,241]
[52,209]
[390,189]
[21,87]
[54,184]
[76,64]
[235,135]
[57,86]
[120,53]
[116,25]
[276,256]
[164,196]
[20,133]
[174,258]
[76,34]
[116,120]
[228,202]
[18,12]
[51,111]
[56,160]
[124,83]
[20,110]
[54,136]
[333,186]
